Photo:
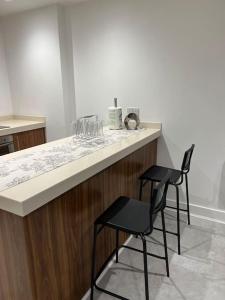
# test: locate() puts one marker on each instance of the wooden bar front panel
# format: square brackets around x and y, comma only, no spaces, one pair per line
[47,254]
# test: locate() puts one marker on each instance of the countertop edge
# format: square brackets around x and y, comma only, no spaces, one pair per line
[13,130]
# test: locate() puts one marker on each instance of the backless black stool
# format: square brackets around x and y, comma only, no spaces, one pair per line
[133,217]
[157,173]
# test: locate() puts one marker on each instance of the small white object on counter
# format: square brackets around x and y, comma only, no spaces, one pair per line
[115,116]
[132,124]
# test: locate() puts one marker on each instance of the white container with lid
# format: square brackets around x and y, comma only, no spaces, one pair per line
[115,116]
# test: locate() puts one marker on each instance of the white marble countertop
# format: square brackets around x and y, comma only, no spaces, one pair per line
[28,196]
[20,123]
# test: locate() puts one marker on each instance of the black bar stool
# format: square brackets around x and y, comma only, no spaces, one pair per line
[156,174]
[137,218]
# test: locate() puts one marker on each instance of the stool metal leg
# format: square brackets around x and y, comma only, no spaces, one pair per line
[187,194]
[152,185]
[93,263]
[140,197]
[145,267]
[178,218]
[142,183]
[140,190]
[165,243]
[117,244]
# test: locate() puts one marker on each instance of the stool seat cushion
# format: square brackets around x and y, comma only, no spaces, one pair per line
[157,173]
[127,214]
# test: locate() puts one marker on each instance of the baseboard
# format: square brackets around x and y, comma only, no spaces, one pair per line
[202,212]
[87,295]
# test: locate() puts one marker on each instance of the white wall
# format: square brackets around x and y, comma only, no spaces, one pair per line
[67,68]
[168,58]
[5,97]
[33,56]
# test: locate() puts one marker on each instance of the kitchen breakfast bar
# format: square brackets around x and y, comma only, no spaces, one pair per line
[46,221]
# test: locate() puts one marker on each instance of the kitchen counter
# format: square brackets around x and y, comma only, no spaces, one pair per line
[28,196]
[46,223]
[20,123]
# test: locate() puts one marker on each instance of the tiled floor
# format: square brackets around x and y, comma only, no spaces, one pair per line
[197,274]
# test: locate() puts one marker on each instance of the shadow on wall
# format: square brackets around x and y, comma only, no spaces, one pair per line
[221,199]
[164,157]
[203,192]
[165,147]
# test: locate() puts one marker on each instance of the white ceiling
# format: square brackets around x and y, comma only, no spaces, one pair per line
[13,6]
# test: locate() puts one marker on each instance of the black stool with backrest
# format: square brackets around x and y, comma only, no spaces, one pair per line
[133,217]
[156,173]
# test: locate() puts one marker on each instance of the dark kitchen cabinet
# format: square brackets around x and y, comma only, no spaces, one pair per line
[27,139]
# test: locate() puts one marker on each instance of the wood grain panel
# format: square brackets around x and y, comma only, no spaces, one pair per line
[16,281]
[27,139]
[55,241]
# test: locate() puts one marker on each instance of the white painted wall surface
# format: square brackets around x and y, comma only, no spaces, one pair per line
[168,58]
[5,97]
[67,68]
[33,56]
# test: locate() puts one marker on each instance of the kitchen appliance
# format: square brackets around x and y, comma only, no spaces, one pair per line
[6,144]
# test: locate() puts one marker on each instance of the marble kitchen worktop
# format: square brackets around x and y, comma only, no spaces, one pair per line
[20,123]
[63,164]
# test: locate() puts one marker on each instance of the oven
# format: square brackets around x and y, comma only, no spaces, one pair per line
[6,144]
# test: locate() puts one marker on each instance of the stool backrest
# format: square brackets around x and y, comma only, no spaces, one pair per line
[158,200]
[185,167]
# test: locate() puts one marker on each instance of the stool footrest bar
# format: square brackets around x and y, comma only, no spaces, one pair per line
[110,293]
[182,209]
[172,207]
[140,251]
[167,231]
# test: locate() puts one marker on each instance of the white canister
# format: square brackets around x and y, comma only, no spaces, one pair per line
[115,117]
